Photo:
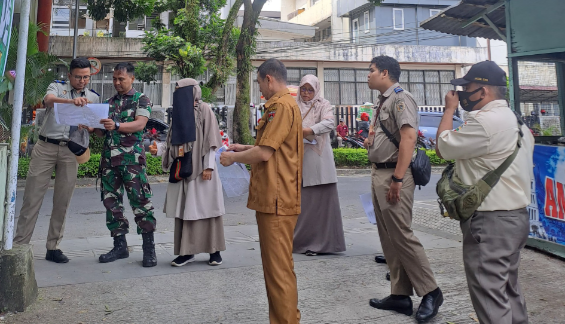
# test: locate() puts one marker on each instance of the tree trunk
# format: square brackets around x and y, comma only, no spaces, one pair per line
[222,66]
[244,51]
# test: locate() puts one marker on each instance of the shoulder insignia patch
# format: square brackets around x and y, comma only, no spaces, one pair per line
[398,89]
[60,81]
[400,106]
[271,115]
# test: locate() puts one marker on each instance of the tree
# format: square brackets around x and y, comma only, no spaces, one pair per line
[245,49]
[39,73]
[376,2]
[197,38]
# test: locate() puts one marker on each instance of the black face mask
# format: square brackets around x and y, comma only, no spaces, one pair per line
[466,103]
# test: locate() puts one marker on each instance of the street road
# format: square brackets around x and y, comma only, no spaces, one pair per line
[86,214]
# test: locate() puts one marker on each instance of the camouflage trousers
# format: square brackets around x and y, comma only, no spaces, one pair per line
[134,179]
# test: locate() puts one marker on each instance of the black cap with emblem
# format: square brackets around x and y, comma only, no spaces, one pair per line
[486,72]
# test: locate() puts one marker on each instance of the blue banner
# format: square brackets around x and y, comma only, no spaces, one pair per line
[6,15]
[547,211]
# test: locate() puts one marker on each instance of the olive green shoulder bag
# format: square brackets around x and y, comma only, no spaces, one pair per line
[461,200]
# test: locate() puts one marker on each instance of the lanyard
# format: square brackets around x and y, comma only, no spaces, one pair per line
[379,111]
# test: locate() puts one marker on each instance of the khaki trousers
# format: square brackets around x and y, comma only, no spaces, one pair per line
[409,266]
[492,242]
[275,238]
[46,158]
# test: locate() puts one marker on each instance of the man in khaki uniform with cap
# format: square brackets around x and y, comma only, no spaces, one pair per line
[52,154]
[393,194]
[494,236]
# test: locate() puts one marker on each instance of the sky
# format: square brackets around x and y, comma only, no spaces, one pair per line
[272,5]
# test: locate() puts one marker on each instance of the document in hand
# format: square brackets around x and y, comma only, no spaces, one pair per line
[367,202]
[89,115]
[234,178]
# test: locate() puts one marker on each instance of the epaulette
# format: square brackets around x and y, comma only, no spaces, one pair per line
[398,89]
[96,93]
[60,81]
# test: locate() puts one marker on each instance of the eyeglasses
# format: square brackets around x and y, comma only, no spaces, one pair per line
[307,90]
[78,77]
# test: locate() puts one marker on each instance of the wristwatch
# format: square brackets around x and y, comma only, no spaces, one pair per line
[117,126]
[395,179]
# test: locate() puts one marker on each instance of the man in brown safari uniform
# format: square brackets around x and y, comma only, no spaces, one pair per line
[274,191]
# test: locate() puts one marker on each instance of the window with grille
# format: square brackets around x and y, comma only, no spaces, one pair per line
[349,86]
[428,87]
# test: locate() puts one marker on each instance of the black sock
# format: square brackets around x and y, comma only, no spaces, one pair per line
[434,293]
[398,297]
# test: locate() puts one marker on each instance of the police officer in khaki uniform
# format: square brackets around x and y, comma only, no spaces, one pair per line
[52,154]
[393,194]
[274,191]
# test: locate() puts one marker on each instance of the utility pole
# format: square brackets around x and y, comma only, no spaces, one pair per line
[76,30]
[16,124]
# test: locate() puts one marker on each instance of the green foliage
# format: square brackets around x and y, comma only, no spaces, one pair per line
[96,144]
[193,40]
[207,95]
[434,159]
[376,2]
[350,157]
[124,10]
[23,166]
[154,165]
[39,73]
[146,72]
[90,168]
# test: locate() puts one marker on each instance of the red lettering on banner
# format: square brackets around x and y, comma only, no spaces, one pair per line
[550,203]
[560,199]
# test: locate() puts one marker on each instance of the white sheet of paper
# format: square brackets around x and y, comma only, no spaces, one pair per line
[308,142]
[89,115]
[234,178]
[367,202]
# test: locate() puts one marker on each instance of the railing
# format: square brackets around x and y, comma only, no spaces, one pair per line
[295,13]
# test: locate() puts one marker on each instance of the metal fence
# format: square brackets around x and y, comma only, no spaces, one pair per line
[221,114]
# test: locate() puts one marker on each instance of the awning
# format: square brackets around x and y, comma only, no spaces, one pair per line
[473,18]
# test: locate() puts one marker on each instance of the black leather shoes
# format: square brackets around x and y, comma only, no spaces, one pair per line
[429,306]
[56,256]
[380,259]
[400,304]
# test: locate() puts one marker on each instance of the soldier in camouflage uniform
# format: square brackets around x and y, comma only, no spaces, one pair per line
[123,165]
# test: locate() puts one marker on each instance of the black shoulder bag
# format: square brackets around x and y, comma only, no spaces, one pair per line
[420,166]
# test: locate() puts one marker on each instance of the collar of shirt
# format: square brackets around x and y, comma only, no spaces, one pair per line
[127,94]
[491,105]
[69,88]
[389,90]
[276,97]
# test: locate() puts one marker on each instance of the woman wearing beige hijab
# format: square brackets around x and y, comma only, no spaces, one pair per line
[197,202]
[319,228]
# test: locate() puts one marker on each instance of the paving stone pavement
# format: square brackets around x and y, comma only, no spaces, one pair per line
[333,290]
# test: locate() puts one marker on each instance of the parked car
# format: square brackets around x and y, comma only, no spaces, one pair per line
[429,123]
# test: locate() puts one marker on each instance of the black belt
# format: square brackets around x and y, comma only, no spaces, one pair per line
[386,165]
[52,141]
